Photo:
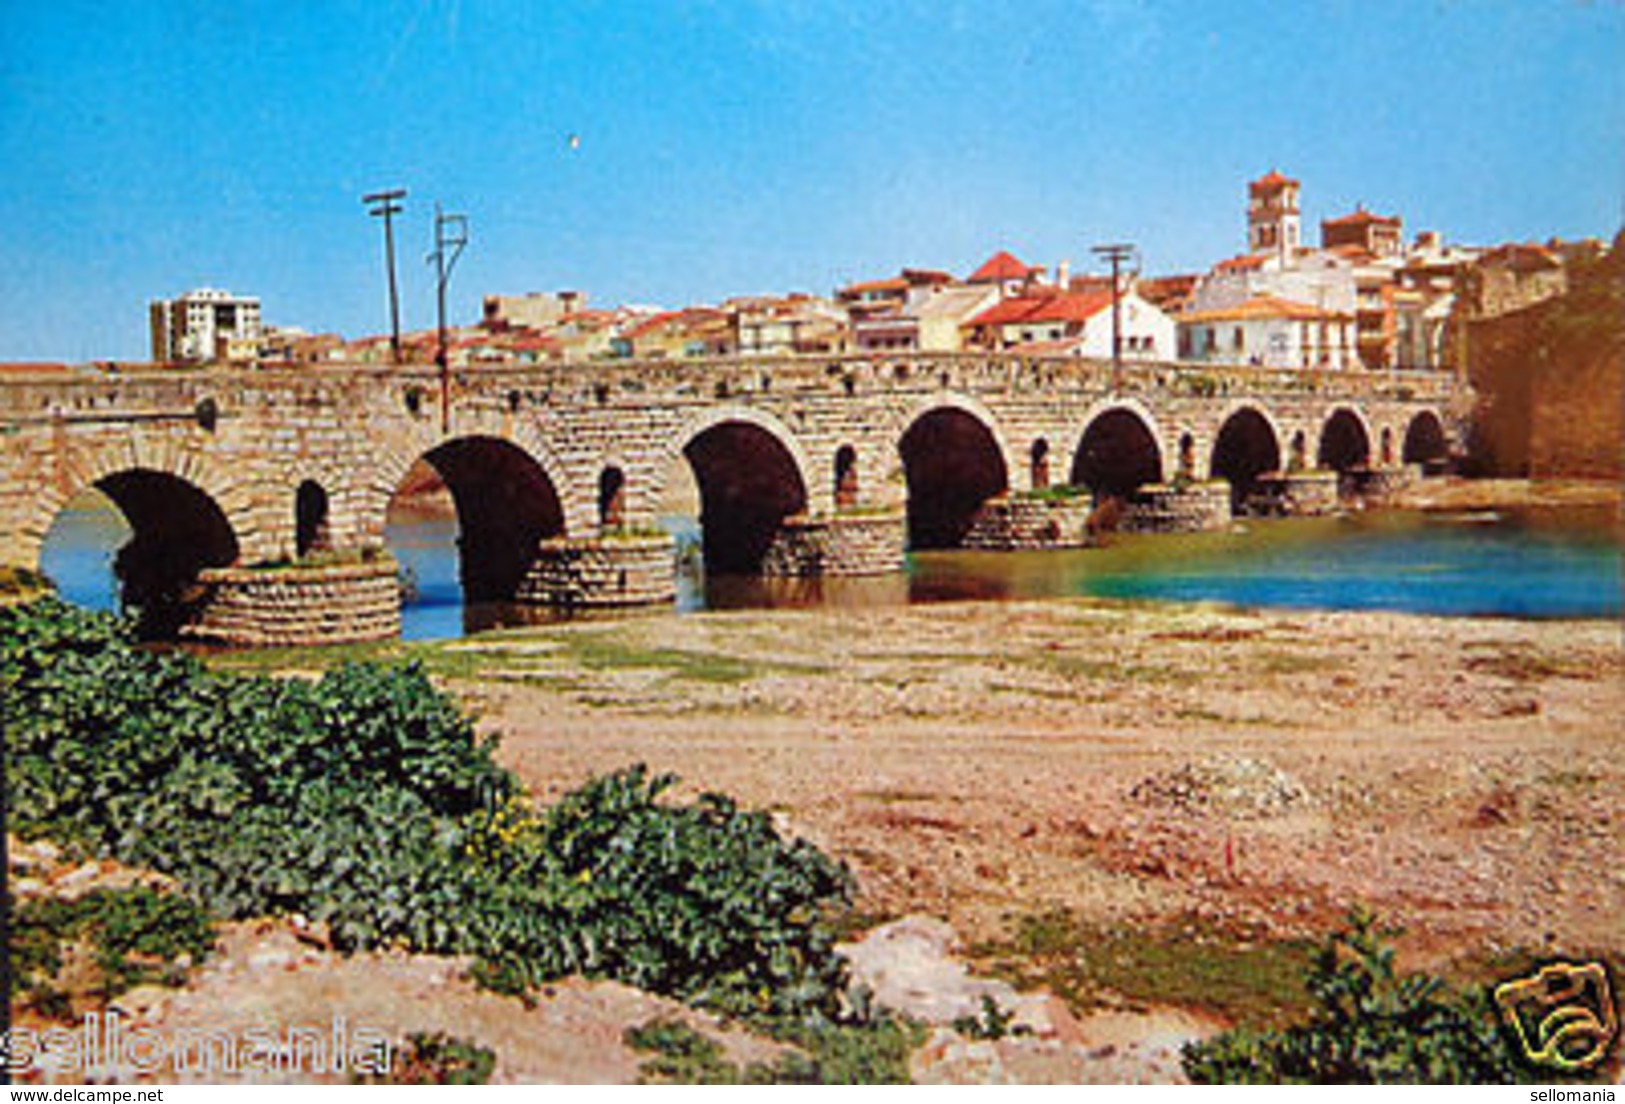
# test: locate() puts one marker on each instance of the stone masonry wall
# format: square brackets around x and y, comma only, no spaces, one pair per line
[863,544]
[597,573]
[299,606]
[1017,523]
[1166,509]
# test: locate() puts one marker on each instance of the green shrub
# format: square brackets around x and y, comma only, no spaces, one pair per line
[438,1059]
[1368,1025]
[134,936]
[874,1052]
[365,801]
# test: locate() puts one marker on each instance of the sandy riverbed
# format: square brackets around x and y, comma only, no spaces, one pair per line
[1126,762]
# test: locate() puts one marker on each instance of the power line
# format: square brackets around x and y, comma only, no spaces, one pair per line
[1116,253]
[383,206]
[450,237]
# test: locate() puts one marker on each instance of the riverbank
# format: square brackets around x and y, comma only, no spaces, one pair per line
[1455,493]
[1126,763]
[1145,808]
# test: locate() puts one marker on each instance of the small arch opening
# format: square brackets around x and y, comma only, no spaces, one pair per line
[611,498]
[846,477]
[1040,464]
[310,519]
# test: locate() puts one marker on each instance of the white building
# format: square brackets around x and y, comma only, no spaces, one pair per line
[205,325]
[1074,324]
[1271,333]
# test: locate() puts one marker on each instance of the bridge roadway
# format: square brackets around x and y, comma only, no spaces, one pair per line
[258,497]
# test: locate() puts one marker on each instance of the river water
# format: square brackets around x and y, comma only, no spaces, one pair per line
[1556,563]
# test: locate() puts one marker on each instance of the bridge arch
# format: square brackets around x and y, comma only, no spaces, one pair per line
[1425,439]
[1247,446]
[177,529]
[1120,449]
[751,475]
[953,462]
[1345,440]
[506,502]
[80,469]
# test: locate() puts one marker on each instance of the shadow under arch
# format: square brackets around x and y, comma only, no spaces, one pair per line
[952,464]
[1425,440]
[1245,449]
[176,530]
[749,483]
[1117,453]
[505,505]
[1345,443]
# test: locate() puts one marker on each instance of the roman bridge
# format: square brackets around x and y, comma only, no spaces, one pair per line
[258,497]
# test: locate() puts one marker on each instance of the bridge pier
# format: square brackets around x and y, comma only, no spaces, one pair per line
[613,571]
[844,544]
[297,605]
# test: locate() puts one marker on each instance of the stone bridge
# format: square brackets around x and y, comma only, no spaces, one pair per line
[258,498]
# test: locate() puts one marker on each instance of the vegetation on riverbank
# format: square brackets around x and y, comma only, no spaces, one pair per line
[365,802]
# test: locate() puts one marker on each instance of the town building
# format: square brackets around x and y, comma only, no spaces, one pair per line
[1273,218]
[1269,332]
[203,326]
[1010,275]
[536,310]
[796,323]
[1067,323]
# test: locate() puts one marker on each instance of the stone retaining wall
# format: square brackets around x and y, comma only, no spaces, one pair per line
[1011,524]
[601,572]
[1159,508]
[856,544]
[1300,494]
[299,606]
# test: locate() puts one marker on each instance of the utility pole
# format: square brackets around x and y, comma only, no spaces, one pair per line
[1116,253]
[384,206]
[450,236]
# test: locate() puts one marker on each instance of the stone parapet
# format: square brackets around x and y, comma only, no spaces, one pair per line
[846,544]
[298,605]
[1161,508]
[601,572]
[1024,523]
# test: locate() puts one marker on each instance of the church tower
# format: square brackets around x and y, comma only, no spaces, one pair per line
[1272,216]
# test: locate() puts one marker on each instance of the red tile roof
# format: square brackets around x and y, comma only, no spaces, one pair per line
[25,367]
[1053,307]
[895,283]
[1263,306]
[1000,267]
[1273,182]
[1247,262]
[1362,217]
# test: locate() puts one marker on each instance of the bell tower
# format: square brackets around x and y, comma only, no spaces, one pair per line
[1273,225]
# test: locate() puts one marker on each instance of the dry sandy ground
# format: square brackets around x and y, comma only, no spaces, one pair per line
[1127,762]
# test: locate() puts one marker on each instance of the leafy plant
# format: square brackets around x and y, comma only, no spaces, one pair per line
[435,1058]
[873,1052]
[366,802]
[131,936]
[1369,1025]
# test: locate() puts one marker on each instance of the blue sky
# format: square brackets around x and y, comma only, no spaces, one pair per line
[731,148]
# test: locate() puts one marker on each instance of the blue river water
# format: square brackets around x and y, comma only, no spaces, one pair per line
[1526,564]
